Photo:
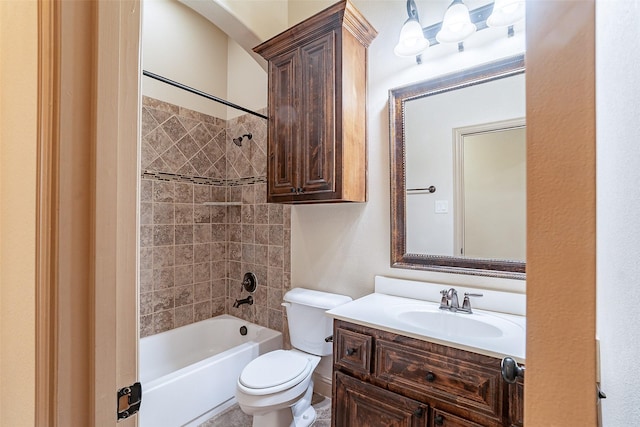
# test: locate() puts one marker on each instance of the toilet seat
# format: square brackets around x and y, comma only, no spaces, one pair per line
[273,372]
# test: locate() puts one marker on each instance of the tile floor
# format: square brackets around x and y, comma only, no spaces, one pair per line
[234,417]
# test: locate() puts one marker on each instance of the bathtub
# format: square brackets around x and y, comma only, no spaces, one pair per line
[189,374]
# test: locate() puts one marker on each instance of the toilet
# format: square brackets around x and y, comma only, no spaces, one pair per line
[276,388]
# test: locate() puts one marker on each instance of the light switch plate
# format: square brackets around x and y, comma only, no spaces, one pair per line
[442,206]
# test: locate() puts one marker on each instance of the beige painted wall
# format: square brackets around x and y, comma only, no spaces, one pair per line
[181,45]
[265,18]
[18,134]
[246,82]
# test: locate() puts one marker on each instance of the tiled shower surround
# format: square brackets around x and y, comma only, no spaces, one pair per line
[193,256]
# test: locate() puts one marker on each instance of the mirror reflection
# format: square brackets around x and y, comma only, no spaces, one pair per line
[490,192]
[459,172]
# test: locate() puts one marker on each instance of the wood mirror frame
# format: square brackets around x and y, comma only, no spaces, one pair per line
[397,98]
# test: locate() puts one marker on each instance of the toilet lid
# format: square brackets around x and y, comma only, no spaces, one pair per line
[273,369]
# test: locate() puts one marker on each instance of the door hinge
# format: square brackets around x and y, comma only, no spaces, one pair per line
[129,400]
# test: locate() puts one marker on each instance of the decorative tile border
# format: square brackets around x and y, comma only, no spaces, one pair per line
[216,182]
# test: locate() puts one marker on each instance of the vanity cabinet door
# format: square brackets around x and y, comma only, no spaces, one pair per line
[359,404]
[516,403]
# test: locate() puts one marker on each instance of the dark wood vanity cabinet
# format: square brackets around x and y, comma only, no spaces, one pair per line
[363,404]
[316,149]
[384,379]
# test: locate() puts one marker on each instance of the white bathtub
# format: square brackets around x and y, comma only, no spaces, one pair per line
[189,374]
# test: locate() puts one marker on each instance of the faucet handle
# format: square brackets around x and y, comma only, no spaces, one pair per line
[444,302]
[466,303]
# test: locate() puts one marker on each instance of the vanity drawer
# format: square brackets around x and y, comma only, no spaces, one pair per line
[352,351]
[448,378]
[445,419]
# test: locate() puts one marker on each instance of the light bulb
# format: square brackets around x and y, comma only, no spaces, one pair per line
[412,41]
[506,12]
[456,25]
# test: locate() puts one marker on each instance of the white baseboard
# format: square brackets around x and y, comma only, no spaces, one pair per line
[322,385]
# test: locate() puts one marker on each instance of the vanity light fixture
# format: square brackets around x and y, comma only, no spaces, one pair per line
[459,23]
[506,13]
[456,25]
[412,41]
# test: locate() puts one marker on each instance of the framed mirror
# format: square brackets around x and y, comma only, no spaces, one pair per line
[458,172]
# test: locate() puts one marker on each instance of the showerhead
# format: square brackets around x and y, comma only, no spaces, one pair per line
[238,140]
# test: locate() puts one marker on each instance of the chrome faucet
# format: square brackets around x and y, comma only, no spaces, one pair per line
[247,300]
[450,301]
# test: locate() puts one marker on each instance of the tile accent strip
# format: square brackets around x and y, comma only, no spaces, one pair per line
[216,182]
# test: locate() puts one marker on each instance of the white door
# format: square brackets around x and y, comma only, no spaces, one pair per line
[116,228]
[87,332]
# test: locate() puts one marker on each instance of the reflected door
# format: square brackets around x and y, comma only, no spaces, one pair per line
[493,199]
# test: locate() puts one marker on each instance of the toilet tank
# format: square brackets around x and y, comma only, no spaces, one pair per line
[308,323]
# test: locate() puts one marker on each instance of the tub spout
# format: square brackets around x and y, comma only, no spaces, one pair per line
[247,300]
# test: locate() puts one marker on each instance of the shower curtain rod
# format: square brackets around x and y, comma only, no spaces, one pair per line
[203,94]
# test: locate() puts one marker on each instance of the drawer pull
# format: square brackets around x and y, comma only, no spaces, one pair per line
[510,370]
[431,377]
[419,412]
[351,351]
[439,420]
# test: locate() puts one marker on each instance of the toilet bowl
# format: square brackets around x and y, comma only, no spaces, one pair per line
[276,388]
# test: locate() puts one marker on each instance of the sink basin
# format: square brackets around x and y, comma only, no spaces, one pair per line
[488,332]
[446,324]
[450,324]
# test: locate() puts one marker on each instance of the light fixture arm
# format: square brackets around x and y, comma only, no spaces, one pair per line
[411,41]
[412,10]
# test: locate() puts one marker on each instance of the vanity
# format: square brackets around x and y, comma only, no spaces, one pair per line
[400,360]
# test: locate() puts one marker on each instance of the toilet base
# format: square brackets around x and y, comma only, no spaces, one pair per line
[280,417]
[302,414]
[306,418]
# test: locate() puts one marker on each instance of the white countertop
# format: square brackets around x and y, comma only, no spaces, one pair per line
[380,311]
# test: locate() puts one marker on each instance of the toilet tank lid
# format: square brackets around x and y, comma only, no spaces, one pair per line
[318,299]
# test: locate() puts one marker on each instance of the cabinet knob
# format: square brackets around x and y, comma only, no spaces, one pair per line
[439,420]
[431,377]
[419,412]
[300,190]
[293,190]
[510,370]
[351,351]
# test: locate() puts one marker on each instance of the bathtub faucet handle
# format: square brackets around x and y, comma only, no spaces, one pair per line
[249,282]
